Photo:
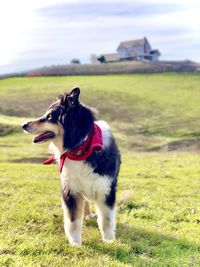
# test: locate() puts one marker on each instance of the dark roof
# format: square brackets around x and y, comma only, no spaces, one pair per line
[131,43]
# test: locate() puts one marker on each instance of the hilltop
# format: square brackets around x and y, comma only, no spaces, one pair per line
[111,68]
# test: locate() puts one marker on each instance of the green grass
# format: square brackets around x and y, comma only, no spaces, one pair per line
[158,214]
[147,109]
[157,223]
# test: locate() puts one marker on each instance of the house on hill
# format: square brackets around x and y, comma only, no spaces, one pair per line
[137,50]
[134,50]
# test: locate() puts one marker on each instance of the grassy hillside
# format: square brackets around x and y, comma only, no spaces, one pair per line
[146,111]
[158,213]
[124,67]
[116,68]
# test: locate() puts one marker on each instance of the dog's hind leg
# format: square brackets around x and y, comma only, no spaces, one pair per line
[88,214]
[73,208]
[106,220]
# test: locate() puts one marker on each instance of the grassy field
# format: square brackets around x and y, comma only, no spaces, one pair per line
[158,221]
[148,110]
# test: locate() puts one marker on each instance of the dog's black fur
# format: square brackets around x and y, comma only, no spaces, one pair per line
[107,162]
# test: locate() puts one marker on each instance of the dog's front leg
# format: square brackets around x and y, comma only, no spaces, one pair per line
[106,217]
[73,208]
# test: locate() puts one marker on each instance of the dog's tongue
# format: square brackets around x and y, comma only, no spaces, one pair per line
[43,136]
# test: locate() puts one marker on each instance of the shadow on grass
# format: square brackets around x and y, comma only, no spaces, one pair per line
[146,247]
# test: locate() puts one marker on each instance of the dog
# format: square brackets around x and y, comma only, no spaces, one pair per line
[89,163]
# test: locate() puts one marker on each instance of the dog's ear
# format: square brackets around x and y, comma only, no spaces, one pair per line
[73,97]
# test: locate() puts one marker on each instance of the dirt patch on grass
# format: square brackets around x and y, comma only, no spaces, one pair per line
[181,145]
[28,160]
[24,107]
[6,129]
[6,146]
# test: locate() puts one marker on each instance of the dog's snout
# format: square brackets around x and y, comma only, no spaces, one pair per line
[25,125]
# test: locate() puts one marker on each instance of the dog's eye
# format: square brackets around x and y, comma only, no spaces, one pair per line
[43,119]
[49,118]
[52,117]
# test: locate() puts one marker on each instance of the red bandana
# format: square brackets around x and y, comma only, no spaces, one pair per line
[93,142]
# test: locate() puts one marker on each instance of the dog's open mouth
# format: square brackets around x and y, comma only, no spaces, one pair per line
[43,137]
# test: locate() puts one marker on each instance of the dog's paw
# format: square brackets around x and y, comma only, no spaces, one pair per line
[109,240]
[75,240]
[108,236]
[74,244]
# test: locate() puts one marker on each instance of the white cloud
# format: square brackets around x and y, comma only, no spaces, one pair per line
[17,21]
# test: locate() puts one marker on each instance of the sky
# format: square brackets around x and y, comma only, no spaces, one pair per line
[37,33]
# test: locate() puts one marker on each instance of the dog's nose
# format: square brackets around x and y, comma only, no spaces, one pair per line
[25,125]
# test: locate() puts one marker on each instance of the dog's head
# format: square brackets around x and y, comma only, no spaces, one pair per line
[66,119]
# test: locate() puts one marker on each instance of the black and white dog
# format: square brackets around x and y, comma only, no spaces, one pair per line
[88,159]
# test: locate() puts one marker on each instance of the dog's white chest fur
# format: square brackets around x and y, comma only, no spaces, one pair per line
[80,178]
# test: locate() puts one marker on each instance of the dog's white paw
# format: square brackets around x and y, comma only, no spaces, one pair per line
[75,239]
[108,237]
[74,244]
[109,240]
